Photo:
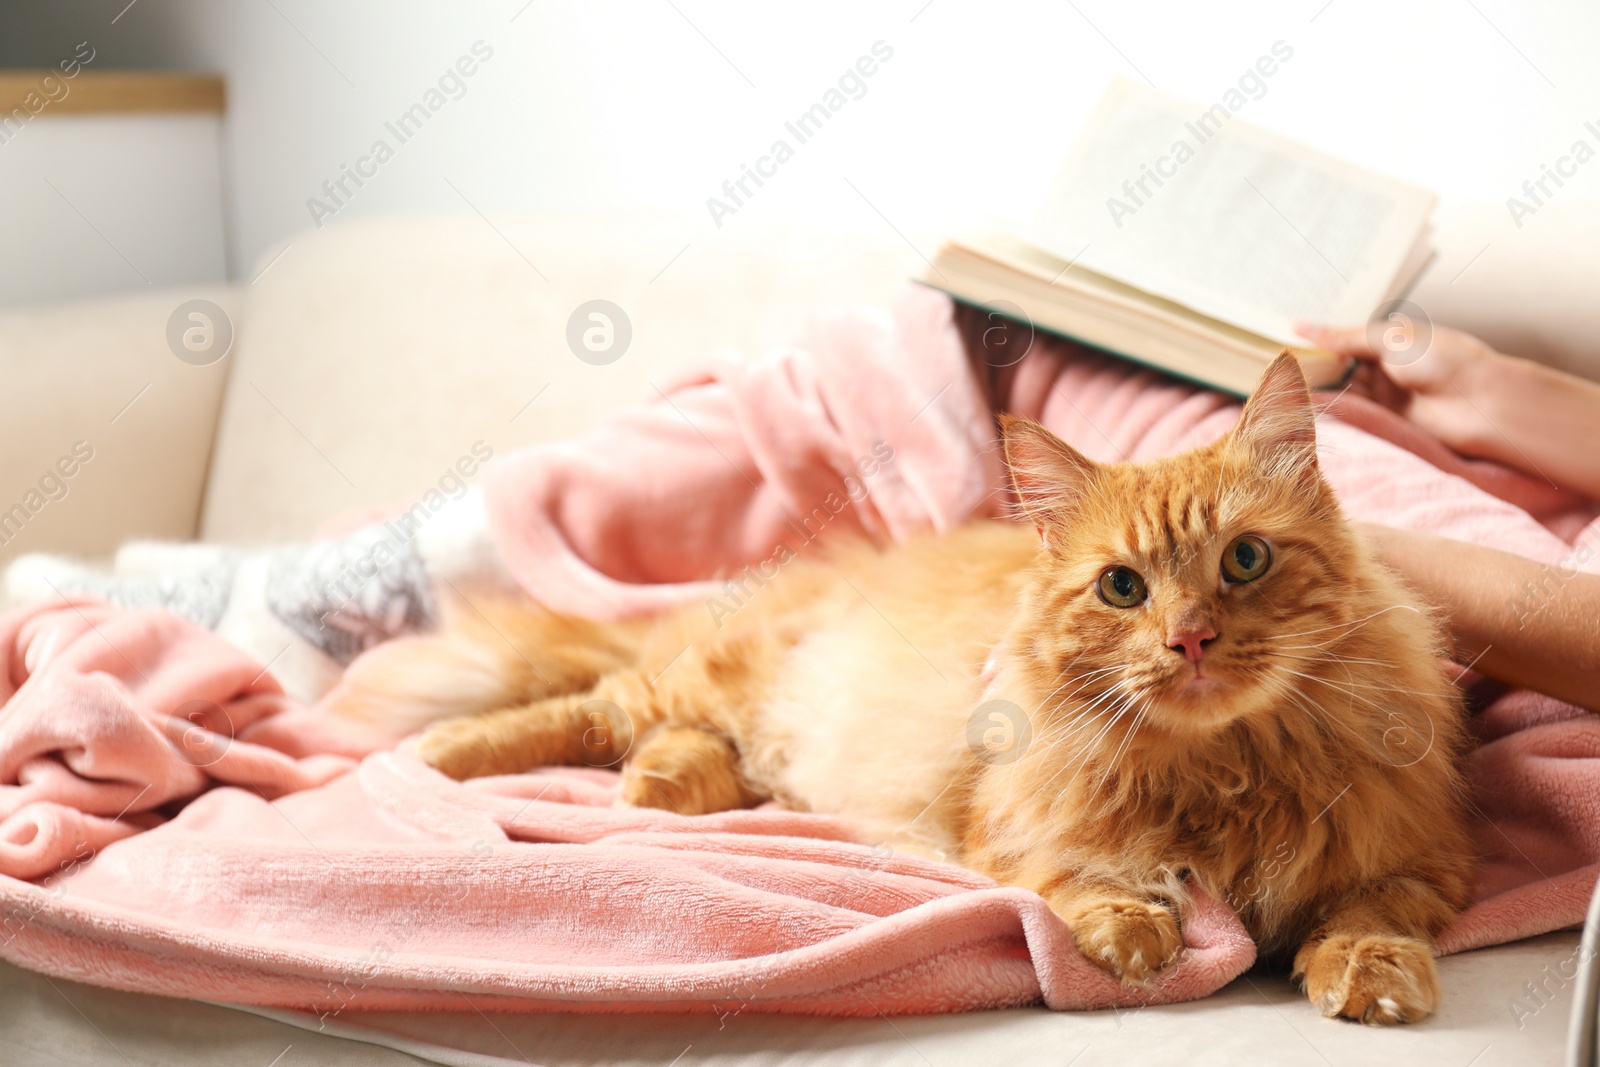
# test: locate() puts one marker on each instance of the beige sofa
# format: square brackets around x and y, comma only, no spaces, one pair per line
[369,357]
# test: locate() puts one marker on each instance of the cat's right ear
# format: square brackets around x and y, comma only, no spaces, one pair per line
[1047,473]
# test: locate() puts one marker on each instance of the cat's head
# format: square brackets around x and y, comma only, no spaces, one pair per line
[1190,588]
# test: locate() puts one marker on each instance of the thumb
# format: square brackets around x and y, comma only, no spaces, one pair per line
[1340,340]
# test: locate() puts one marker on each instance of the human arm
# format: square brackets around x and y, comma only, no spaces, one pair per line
[1525,623]
[1483,403]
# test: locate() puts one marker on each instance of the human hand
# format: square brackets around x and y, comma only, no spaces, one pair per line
[1438,389]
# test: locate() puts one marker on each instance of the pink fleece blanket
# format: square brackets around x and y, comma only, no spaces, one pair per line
[170,823]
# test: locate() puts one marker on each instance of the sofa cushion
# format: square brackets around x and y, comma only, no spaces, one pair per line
[380,353]
[105,431]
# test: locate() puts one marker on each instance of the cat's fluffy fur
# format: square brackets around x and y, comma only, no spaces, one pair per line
[974,695]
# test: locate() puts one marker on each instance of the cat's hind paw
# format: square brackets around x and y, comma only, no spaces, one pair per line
[1379,980]
[461,749]
[1133,939]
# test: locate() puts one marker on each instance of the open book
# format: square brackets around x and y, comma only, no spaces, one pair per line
[1184,238]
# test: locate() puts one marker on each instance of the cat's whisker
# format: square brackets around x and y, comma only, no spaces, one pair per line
[1084,680]
[1363,685]
[1314,708]
[1089,746]
[1370,743]
[1044,704]
[1105,699]
[1081,728]
[1127,741]
[1061,730]
[1361,621]
[1085,717]
[1307,659]
[1043,754]
[1329,683]
[1090,705]
[1066,728]
[1390,711]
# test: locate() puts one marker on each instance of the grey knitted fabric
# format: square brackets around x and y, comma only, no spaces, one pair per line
[346,596]
[201,596]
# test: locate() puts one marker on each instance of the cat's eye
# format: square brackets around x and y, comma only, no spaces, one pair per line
[1246,559]
[1122,588]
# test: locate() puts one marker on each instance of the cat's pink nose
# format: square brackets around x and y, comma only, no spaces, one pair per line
[1192,644]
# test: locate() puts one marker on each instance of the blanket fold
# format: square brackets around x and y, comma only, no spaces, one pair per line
[170,822]
[393,887]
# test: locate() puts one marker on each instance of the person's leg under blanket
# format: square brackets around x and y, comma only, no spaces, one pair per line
[874,425]
[304,610]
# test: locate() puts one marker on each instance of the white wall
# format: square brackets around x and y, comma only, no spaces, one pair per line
[653,104]
[107,203]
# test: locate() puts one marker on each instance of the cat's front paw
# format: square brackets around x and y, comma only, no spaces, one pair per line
[1133,939]
[458,748]
[682,769]
[1379,980]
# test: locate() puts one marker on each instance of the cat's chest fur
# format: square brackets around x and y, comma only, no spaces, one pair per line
[1265,851]
[1271,825]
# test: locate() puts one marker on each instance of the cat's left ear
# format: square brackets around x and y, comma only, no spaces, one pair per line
[1048,474]
[1279,424]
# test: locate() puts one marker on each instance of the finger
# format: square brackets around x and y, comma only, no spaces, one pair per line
[1384,390]
[1369,381]
[1340,340]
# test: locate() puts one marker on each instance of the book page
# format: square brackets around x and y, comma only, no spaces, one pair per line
[1197,206]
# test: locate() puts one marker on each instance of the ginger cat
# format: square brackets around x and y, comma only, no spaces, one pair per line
[1185,671]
